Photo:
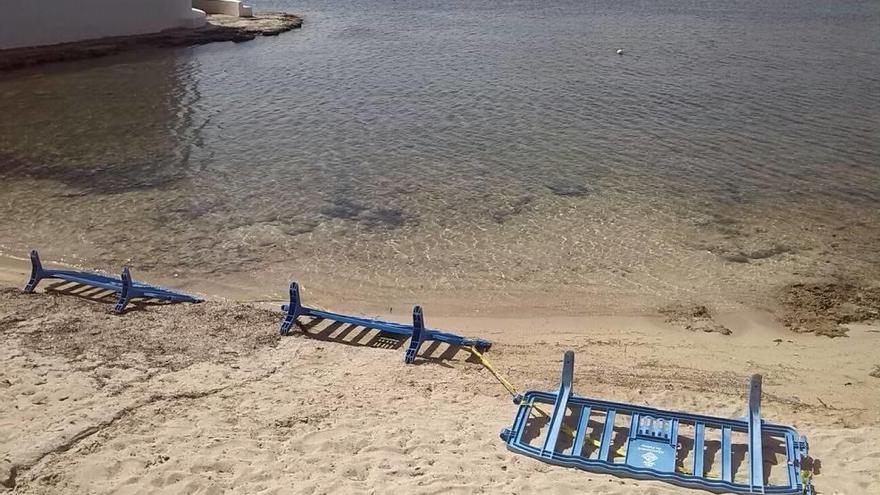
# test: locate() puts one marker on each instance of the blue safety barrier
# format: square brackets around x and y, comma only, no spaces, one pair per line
[417,332]
[127,288]
[652,447]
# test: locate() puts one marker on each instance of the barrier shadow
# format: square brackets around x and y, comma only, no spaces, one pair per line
[358,336]
[104,296]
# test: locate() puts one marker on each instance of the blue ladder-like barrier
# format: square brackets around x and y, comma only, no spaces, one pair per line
[127,288]
[651,449]
[417,332]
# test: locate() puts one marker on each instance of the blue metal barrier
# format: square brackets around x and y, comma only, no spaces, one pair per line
[652,448]
[417,332]
[127,288]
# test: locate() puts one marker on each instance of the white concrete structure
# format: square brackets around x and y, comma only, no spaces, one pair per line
[48,22]
[226,7]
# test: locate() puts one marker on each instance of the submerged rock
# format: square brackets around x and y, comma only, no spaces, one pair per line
[694,318]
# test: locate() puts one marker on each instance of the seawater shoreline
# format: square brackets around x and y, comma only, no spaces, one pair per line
[219,28]
[827,307]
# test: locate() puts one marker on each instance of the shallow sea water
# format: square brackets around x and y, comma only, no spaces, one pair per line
[472,152]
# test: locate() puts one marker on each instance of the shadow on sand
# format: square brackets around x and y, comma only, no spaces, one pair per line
[346,334]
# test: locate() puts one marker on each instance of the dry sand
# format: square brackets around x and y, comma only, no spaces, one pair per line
[208,399]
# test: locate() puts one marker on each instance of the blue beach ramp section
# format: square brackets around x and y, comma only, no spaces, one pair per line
[585,433]
[127,288]
[417,332]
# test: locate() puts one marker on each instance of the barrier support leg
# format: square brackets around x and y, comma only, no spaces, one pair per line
[294,309]
[756,440]
[37,272]
[560,406]
[125,294]
[418,336]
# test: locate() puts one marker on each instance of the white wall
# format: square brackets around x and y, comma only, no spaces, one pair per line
[47,22]
[227,7]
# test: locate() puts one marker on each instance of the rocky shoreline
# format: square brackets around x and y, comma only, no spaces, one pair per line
[219,28]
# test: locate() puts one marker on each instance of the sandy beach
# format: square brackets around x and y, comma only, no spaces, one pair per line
[685,194]
[209,399]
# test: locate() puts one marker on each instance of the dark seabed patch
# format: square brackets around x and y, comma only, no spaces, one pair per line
[96,177]
[568,189]
[512,209]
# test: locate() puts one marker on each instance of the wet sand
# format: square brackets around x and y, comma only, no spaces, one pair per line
[207,398]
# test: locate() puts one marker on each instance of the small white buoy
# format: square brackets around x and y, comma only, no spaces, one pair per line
[619,51]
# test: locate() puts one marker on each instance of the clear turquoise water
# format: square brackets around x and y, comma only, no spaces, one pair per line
[478,144]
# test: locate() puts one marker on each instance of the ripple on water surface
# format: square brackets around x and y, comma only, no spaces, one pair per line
[469,145]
